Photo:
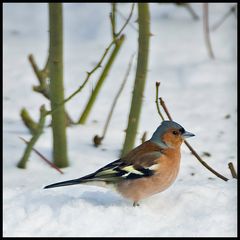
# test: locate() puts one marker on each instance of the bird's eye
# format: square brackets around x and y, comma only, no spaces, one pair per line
[175,132]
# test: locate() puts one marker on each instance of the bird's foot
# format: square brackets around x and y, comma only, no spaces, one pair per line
[136,204]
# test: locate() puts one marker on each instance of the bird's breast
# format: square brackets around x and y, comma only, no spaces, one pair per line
[164,176]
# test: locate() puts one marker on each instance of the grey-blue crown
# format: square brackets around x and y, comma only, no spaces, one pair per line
[165,125]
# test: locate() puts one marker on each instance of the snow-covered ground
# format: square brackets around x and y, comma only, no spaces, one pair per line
[199,93]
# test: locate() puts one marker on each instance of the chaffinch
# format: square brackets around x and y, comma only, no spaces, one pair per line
[146,170]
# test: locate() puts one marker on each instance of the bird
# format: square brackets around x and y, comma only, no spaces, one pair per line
[148,169]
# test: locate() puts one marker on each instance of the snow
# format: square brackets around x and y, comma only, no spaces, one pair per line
[198,91]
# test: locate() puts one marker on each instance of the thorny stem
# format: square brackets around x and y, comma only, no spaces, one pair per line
[191,148]
[140,77]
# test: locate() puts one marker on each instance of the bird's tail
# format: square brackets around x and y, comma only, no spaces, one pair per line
[71,182]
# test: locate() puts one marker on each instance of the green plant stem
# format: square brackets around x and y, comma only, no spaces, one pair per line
[56,85]
[22,163]
[141,73]
[28,121]
[100,82]
[43,86]
[41,76]
[113,19]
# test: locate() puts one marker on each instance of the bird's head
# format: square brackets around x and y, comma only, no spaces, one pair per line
[170,134]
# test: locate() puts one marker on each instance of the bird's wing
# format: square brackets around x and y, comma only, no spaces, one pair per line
[144,166]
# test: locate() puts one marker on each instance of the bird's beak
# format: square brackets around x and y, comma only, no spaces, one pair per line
[187,135]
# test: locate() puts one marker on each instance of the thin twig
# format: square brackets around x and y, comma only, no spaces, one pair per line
[117,96]
[123,17]
[225,16]
[232,169]
[43,158]
[165,108]
[97,140]
[189,8]
[191,148]
[206,30]
[204,163]
[191,11]
[128,19]
[113,19]
[156,100]
[91,72]
[118,44]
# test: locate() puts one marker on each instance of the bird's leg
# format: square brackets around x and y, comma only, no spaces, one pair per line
[136,204]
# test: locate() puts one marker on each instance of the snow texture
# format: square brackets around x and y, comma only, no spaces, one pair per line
[199,92]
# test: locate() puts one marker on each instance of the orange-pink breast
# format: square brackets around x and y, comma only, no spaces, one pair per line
[164,176]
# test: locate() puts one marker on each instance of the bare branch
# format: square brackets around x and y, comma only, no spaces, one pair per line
[206,30]
[117,96]
[226,15]
[127,21]
[97,140]
[113,19]
[232,169]
[156,100]
[123,17]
